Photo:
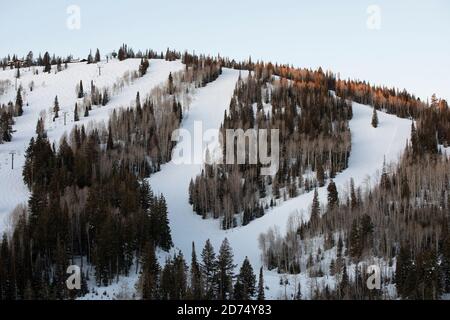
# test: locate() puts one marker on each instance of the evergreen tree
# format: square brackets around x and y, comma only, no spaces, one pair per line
[80,90]
[170,86]
[261,293]
[149,278]
[110,143]
[374,118]
[355,242]
[225,268]
[89,58]
[97,56]
[315,208]
[343,285]
[209,270]
[353,198]
[46,63]
[56,108]
[105,97]
[414,140]
[196,277]
[405,273]
[19,103]
[6,130]
[320,174]
[165,239]
[75,113]
[245,285]
[333,198]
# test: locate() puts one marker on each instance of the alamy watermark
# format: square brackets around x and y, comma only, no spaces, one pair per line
[374,279]
[373,21]
[74,280]
[73,21]
[242,147]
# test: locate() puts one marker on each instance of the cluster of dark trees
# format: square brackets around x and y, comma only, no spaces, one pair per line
[126,52]
[90,203]
[209,277]
[6,122]
[29,60]
[84,203]
[313,134]
[94,59]
[435,114]
[404,220]
[7,114]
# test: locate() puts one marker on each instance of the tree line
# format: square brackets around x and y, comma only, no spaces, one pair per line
[314,137]
[209,277]
[90,204]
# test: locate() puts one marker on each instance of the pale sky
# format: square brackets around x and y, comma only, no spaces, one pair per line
[411,48]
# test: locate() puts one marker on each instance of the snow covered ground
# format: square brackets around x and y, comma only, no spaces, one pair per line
[63,84]
[370,147]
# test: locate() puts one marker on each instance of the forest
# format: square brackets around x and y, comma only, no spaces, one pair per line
[91,203]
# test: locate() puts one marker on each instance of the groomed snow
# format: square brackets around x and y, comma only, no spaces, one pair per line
[370,147]
[63,84]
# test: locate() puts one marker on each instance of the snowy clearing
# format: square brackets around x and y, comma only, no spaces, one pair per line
[370,147]
[63,84]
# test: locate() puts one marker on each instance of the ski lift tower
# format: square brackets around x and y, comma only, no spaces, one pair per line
[99,66]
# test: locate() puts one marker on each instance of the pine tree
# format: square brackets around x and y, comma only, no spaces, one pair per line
[209,270]
[56,108]
[170,86]
[445,264]
[105,97]
[97,56]
[315,208]
[225,269]
[138,101]
[165,239]
[149,277]
[404,187]
[46,63]
[6,130]
[261,293]
[19,103]
[353,198]
[355,242]
[245,285]
[385,183]
[374,118]
[121,55]
[75,113]
[89,58]
[414,140]
[333,198]
[180,276]
[80,90]
[404,273]
[196,277]
[110,143]
[344,282]
[143,66]
[320,174]
[86,112]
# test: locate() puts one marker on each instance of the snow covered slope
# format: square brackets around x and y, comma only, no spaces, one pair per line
[369,148]
[63,84]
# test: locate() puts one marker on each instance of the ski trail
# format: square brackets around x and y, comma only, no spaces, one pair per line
[12,189]
[369,148]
